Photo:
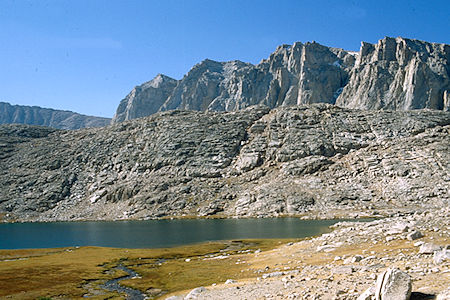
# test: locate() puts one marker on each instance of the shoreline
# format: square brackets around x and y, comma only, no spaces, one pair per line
[344,263]
[339,264]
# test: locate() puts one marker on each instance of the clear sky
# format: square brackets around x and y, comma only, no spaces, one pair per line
[86,55]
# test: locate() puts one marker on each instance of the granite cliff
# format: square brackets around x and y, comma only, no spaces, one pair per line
[395,74]
[314,160]
[35,115]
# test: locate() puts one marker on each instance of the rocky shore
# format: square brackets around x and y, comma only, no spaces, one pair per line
[410,252]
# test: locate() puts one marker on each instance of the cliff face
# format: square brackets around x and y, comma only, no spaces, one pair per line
[399,74]
[395,74]
[34,115]
[313,159]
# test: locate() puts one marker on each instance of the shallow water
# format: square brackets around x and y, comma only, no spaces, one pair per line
[113,285]
[153,233]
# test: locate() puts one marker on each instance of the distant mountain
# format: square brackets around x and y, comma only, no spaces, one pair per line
[394,74]
[35,115]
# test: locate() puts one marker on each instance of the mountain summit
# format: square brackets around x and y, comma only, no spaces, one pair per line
[394,74]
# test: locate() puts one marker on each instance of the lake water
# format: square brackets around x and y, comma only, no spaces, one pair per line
[153,233]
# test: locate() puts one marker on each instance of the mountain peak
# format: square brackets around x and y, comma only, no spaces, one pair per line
[395,73]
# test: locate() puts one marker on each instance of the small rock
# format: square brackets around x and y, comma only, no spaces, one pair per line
[441,256]
[175,298]
[435,270]
[428,248]
[398,228]
[368,294]
[195,293]
[230,281]
[415,235]
[343,270]
[357,258]
[390,238]
[273,274]
[326,248]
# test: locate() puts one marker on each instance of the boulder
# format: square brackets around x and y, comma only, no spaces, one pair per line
[393,284]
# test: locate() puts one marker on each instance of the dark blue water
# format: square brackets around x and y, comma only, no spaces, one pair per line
[153,233]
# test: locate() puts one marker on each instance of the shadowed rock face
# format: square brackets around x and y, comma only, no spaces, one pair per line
[311,159]
[395,74]
[34,115]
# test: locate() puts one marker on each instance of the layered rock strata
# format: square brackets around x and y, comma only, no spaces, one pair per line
[35,115]
[315,160]
[394,74]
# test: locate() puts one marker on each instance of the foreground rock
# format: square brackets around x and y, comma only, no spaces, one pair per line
[316,161]
[393,284]
[34,115]
[394,74]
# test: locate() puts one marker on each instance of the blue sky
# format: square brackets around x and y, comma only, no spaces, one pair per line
[86,55]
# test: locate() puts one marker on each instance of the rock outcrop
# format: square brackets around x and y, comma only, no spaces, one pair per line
[395,74]
[35,115]
[315,160]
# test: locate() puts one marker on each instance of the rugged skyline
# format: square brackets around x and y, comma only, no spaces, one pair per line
[86,56]
[394,74]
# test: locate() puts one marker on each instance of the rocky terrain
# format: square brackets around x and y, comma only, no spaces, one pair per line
[35,115]
[394,74]
[313,160]
[402,257]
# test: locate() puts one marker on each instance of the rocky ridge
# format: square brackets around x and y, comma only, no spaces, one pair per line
[394,74]
[314,161]
[35,115]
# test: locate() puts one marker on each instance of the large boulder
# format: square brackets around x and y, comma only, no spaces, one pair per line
[393,284]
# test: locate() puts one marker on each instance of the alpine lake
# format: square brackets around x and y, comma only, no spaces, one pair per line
[56,260]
